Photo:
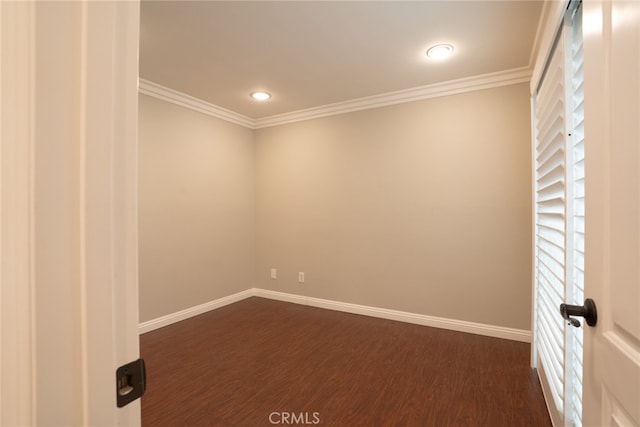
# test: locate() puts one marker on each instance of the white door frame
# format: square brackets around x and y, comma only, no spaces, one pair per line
[69,296]
[17,362]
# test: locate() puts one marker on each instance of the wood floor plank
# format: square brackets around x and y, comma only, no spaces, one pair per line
[240,364]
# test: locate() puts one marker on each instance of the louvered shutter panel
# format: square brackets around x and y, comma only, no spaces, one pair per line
[550,221]
[559,219]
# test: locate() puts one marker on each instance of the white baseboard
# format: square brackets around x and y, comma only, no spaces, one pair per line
[383,313]
[153,324]
[402,316]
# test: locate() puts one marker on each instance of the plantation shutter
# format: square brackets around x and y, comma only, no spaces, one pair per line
[550,224]
[559,221]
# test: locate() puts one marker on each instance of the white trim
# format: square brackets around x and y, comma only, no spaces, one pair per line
[382,313]
[124,191]
[169,319]
[452,87]
[17,321]
[548,396]
[402,316]
[534,297]
[546,38]
[155,90]
[105,154]
[537,38]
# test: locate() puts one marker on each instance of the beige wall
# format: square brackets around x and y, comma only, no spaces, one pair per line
[423,207]
[196,201]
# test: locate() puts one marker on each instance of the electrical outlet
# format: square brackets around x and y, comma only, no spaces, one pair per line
[274,273]
[301,277]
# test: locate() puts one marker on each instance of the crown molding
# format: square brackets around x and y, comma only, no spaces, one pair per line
[452,87]
[155,90]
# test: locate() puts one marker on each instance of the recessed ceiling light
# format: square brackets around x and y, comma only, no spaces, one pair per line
[260,96]
[440,51]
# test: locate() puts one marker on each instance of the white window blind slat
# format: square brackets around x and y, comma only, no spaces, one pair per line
[549,296]
[555,264]
[554,248]
[552,155]
[557,225]
[579,101]
[551,235]
[552,295]
[552,182]
[551,126]
[553,362]
[555,383]
[551,177]
[578,168]
[554,339]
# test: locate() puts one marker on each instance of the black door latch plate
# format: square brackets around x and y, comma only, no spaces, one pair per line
[131,382]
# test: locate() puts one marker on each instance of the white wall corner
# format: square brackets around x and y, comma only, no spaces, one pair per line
[382,313]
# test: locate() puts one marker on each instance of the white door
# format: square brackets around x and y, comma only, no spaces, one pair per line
[612,273]
[68,306]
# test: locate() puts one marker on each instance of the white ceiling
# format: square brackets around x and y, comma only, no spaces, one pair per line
[309,54]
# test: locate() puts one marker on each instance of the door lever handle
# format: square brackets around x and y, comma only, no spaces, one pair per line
[588,311]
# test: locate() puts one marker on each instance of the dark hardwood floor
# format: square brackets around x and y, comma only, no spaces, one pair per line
[260,362]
